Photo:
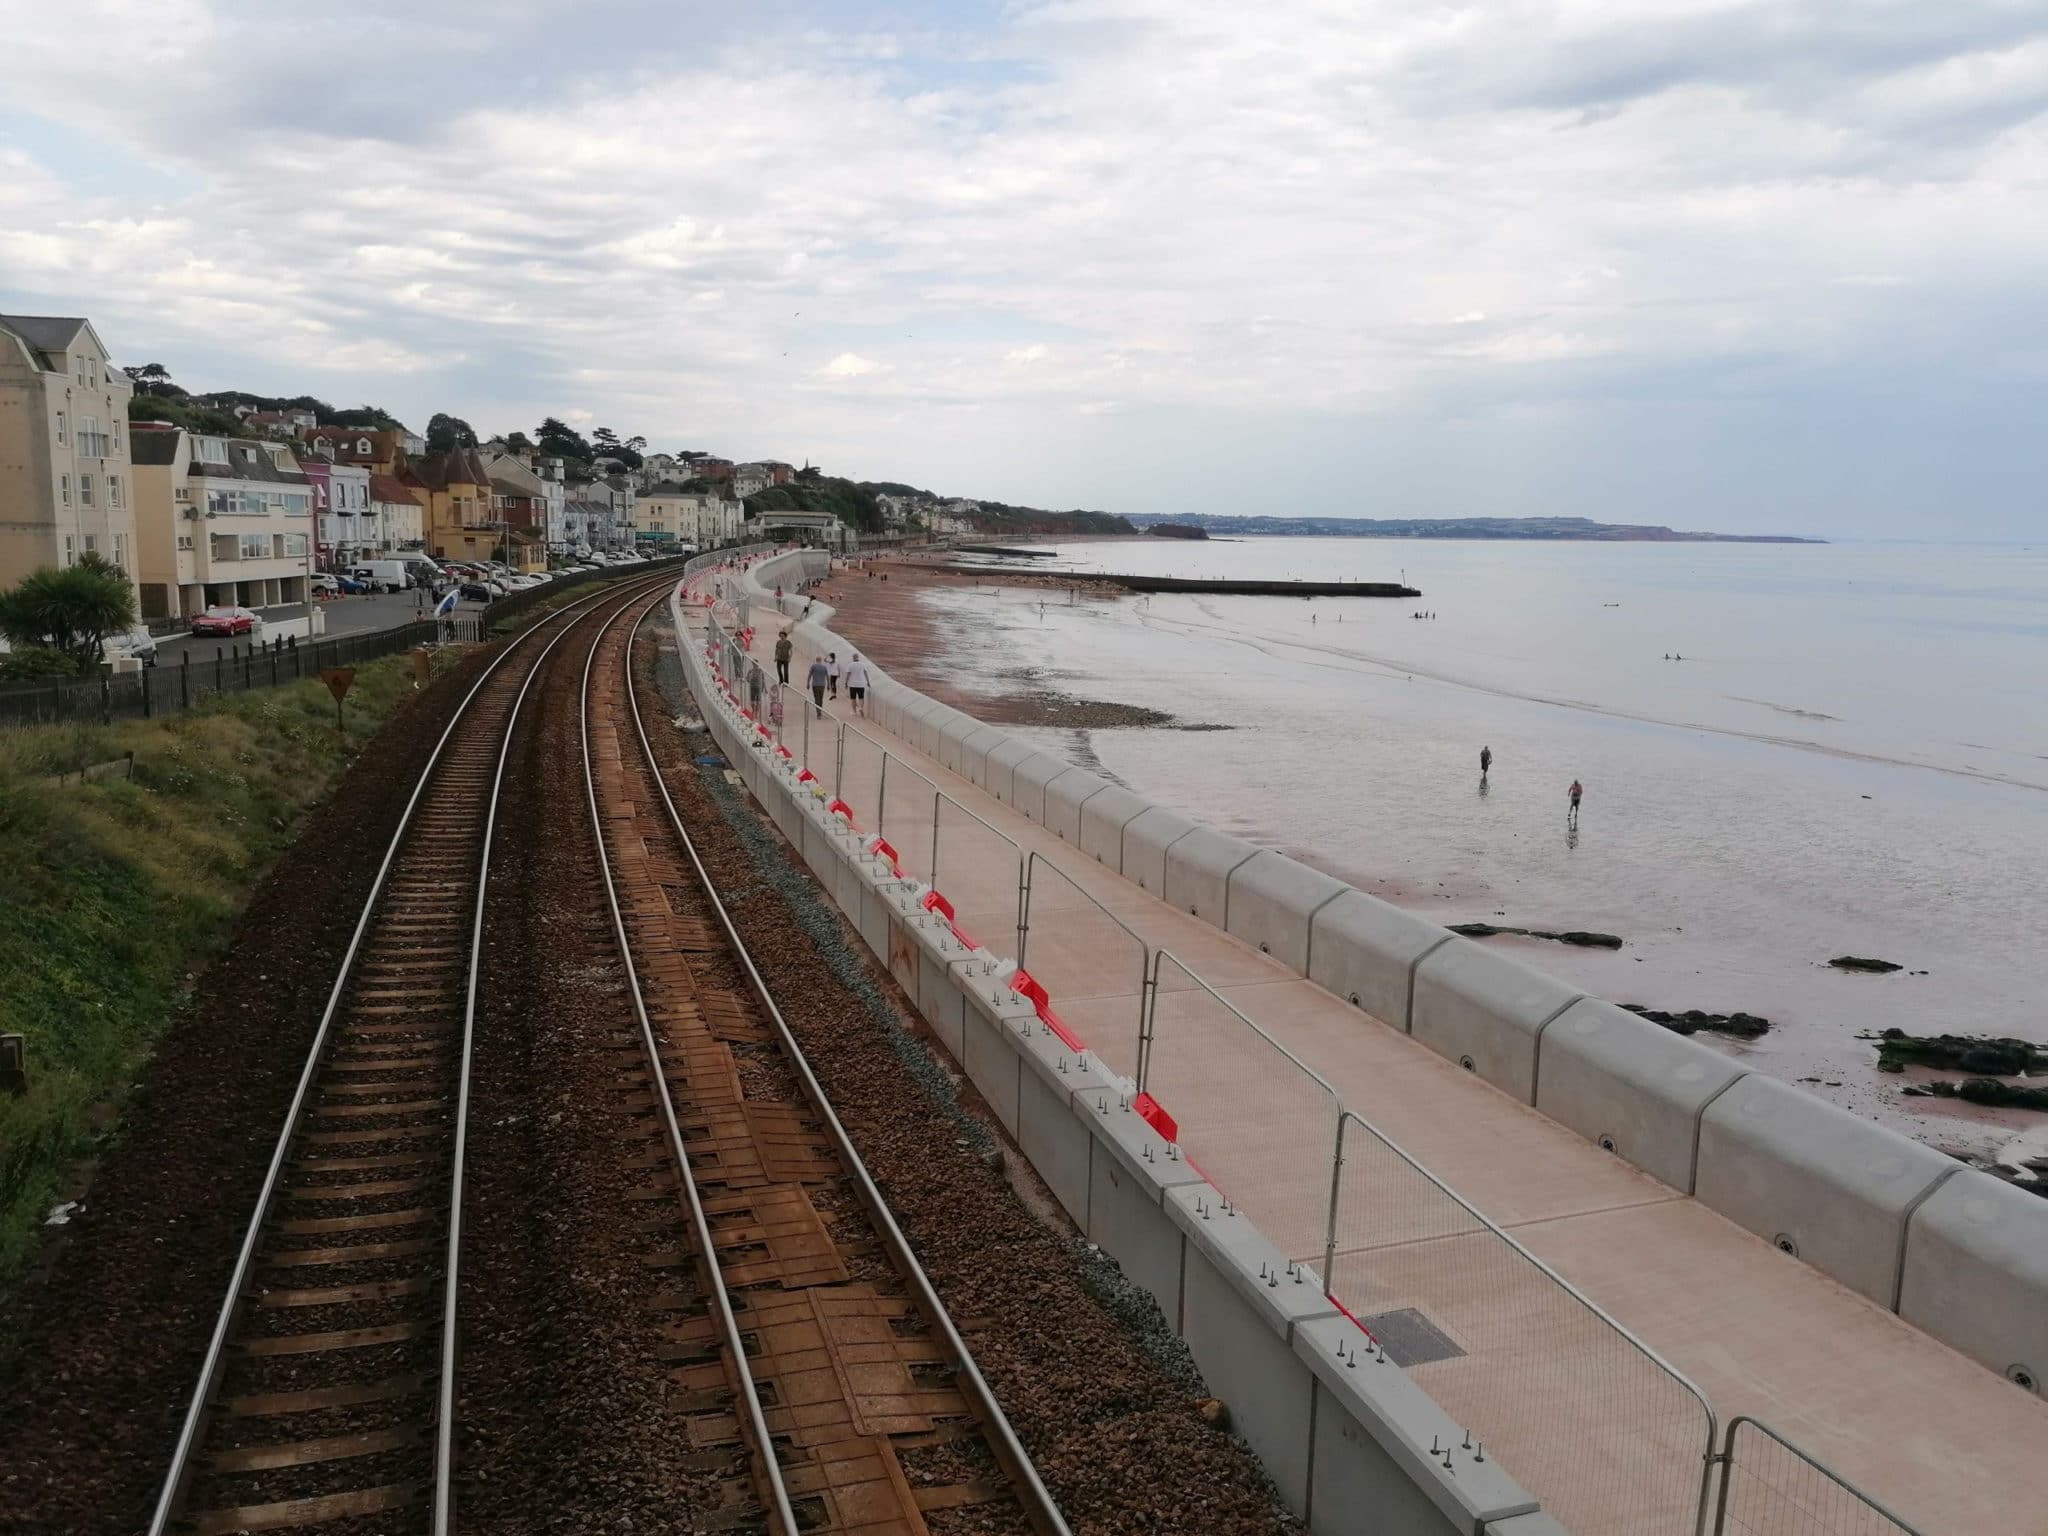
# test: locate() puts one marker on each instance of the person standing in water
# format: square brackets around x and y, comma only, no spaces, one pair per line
[1485,761]
[1575,792]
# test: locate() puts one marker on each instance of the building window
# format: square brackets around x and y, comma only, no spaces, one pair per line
[85,490]
[185,541]
[92,442]
[60,427]
[70,550]
[113,490]
[121,550]
[255,546]
[92,544]
[63,490]
[294,545]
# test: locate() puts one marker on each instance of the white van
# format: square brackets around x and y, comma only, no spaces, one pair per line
[382,575]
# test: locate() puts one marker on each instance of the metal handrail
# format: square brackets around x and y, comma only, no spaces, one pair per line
[1906,1527]
[1041,1509]
[1591,1306]
[211,1363]
[685,1175]
[1151,1022]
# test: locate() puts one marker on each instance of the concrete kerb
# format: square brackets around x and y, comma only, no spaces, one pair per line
[1273,901]
[1976,1274]
[1388,1465]
[1486,1012]
[1630,1086]
[1366,951]
[1198,871]
[1103,819]
[1815,1180]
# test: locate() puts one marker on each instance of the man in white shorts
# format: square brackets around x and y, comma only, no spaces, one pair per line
[857,684]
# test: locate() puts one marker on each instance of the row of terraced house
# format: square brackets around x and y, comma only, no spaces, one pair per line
[200,519]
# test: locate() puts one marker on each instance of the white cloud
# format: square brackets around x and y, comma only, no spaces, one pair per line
[1328,208]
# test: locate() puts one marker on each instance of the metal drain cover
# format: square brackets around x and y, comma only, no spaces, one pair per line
[1409,1338]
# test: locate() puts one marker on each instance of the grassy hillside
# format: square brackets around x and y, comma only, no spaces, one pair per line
[118,892]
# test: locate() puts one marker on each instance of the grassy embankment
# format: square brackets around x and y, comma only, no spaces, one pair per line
[117,893]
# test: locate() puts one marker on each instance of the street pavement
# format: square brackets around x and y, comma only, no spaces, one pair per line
[345,616]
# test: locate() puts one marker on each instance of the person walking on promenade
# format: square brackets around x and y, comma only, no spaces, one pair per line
[816,680]
[1576,791]
[832,672]
[1485,761]
[782,651]
[857,684]
[757,683]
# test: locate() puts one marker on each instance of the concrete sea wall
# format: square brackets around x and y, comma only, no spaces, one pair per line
[1958,1253]
[1352,1443]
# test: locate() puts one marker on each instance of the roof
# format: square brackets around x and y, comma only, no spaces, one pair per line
[588,508]
[458,466]
[44,334]
[391,489]
[147,445]
[248,461]
[509,487]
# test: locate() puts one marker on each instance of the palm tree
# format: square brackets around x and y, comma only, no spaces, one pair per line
[71,610]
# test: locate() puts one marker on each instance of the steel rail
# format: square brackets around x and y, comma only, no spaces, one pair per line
[216,1349]
[685,1176]
[1038,1504]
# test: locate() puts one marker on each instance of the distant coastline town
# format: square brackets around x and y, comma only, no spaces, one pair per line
[227,498]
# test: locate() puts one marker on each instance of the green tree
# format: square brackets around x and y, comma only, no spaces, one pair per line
[71,610]
[152,379]
[374,417]
[604,440]
[445,432]
[558,440]
[518,442]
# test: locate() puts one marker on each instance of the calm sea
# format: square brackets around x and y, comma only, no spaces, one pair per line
[1850,758]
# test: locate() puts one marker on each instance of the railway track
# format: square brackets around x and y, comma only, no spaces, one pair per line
[815,1368]
[326,1390]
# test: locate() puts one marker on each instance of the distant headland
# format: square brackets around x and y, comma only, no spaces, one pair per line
[1582,529]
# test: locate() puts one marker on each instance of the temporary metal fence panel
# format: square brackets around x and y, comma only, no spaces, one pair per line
[1093,967]
[1769,1487]
[1257,1130]
[1612,1440]
[981,873]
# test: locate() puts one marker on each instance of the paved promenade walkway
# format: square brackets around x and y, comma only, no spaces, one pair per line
[1938,1437]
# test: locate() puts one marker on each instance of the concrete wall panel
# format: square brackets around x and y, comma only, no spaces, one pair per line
[1103,819]
[1147,836]
[1002,764]
[1198,871]
[1976,1275]
[956,729]
[1064,798]
[1821,1183]
[1630,1085]
[1052,1136]
[991,1059]
[1365,951]
[1029,781]
[1273,901]
[974,751]
[1486,1012]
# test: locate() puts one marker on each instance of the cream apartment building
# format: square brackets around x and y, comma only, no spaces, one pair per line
[670,514]
[66,485]
[222,521]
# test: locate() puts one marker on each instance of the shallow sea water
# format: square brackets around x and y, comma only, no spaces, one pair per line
[1851,758]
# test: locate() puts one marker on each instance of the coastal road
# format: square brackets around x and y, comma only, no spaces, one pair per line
[345,616]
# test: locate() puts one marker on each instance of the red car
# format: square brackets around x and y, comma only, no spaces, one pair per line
[224,621]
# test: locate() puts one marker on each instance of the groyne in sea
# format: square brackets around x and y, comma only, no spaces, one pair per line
[1221,586]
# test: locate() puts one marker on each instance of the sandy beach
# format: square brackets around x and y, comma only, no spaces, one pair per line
[1732,864]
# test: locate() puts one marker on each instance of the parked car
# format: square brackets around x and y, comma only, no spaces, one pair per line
[348,586]
[477,592]
[324,583]
[135,641]
[224,621]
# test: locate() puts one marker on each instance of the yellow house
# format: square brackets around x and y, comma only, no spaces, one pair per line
[459,518]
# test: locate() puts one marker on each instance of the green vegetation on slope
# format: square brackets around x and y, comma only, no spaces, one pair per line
[118,892]
[854,505]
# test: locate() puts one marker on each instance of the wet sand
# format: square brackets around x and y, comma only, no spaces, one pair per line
[1707,894]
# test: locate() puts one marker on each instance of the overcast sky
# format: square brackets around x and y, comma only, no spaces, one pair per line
[1776,266]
